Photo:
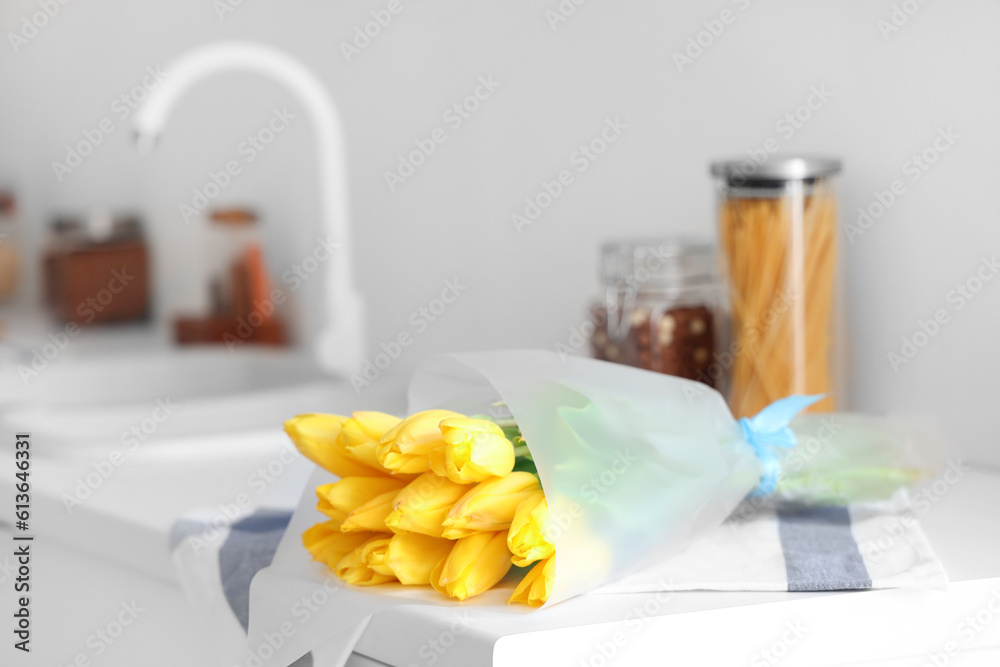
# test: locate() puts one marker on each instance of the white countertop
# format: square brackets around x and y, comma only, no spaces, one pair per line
[114,546]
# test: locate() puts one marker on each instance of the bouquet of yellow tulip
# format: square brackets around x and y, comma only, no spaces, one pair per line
[632,463]
[435,499]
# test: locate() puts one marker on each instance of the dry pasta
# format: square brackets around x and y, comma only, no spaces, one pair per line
[781,255]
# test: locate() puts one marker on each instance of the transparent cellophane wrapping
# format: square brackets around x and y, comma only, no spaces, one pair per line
[780,250]
[632,463]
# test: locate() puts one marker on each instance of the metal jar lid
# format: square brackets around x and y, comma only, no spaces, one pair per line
[775,169]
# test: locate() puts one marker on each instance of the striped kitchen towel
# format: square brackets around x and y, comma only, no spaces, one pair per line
[874,545]
[879,545]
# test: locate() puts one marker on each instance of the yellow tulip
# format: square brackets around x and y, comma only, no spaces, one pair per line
[528,537]
[474,565]
[423,504]
[371,515]
[475,450]
[374,553]
[353,569]
[489,506]
[350,493]
[404,448]
[361,433]
[536,587]
[327,544]
[335,515]
[412,556]
[317,437]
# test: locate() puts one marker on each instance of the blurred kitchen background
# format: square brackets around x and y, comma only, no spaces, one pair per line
[683,84]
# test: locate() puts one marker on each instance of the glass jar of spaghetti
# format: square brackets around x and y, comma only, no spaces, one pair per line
[661,309]
[778,244]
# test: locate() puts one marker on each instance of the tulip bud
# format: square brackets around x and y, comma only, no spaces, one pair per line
[528,537]
[489,506]
[474,565]
[371,515]
[327,544]
[323,505]
[421,507]
[474,450]
[316,437]
[362,431]
[412,556]
[350,493]
[353,569]
[374,553]
[536,587]
[404,448]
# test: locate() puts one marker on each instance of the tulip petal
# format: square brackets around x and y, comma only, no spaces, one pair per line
[411,557]
[362,431]
[350,493]
[353,569]
[316,437]
[421,507]
[327,544]
[475,450]
[490,505]
[528,536]
[536,587]
[371,515]
[474,565]
[374,554]
[405,447]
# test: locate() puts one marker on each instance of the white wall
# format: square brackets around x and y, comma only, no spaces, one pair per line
[610,59]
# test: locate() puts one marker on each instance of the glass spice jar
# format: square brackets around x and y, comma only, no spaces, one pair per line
[662,308]
[778,246]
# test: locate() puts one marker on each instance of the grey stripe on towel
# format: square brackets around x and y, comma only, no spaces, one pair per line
[250,548]
[820,551]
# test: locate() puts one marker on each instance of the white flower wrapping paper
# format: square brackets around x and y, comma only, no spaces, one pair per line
[633,463]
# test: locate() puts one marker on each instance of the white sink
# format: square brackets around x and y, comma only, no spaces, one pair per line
[79,404]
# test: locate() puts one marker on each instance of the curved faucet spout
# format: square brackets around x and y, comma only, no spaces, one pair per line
[339,345]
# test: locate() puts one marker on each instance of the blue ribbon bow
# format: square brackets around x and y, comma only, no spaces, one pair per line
[768,429]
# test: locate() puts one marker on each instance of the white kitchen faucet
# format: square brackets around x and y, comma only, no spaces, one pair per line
[340,342]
